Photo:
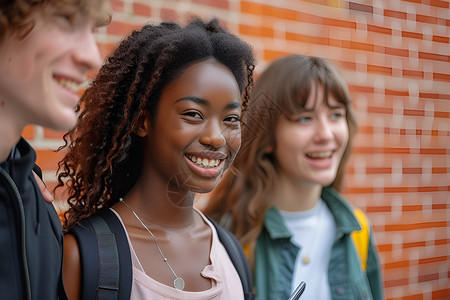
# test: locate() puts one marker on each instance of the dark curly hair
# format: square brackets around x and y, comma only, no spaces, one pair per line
[104,155]
[14,14]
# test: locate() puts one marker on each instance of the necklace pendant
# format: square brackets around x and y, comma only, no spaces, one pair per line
[305,260]
[178,283]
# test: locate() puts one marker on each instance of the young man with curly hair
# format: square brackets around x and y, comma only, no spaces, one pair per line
[46,49]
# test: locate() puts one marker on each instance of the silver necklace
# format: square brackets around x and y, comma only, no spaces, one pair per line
[178,283]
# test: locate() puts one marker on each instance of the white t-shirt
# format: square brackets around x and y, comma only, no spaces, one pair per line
[226,283]
[314,232]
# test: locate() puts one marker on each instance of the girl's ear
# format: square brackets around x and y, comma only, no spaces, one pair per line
[143,126]
[269,148]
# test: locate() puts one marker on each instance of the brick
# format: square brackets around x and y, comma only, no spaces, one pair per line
[384,247]
[373,150]
[365,130]
[396,282]
[358,46]
[117,5]
[429,95]
[380,110]
[360,89]
[360,7]
[441,294]
[429,189]
[426,19]
[378,209]
[439,170]
[379,29]
[121,28]
[396,93]
[441,242]
[413,297]
[318,40]
[308,18]
[406,208]
[414,35]
[430,260]
[252,7]
[441,76]
[396,189]
[395,14]
[396,264]
[270,11]
[414,112]
[47,159]
[223,4]
[339,23]
[359,190]
[434,56]
[439,3]
[441,39]
[141,9]
[428,277]
[53,134]
[281,13]
[396,52]
[378,170]
[167,14]
[413,245]
[415,226]
[438,206]
[442,114]
[256,31]
[413,1]
[412,73]
[379,70]
[412,170]
[29,132]
[433,151]
[348,65]
[274,54]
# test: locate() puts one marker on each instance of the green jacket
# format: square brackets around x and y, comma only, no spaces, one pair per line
[275,257]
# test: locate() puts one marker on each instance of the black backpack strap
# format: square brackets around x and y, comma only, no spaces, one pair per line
[238,258]
[105,257]
[125,264]
[87,244]
[108,260]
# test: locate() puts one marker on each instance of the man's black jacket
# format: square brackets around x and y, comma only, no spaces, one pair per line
[30,232]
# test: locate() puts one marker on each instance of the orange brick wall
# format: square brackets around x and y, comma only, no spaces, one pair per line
[395,57]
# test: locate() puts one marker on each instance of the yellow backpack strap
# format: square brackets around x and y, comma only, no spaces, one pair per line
[247,250]
[361,238]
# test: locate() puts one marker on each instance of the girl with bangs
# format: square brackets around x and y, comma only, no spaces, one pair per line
[281,196]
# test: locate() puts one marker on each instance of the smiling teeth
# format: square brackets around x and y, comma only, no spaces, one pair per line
[320,154]
[74,87]
[204,162]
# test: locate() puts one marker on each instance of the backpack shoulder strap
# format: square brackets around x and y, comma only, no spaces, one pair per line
[105,257]
[237,257]
[361,238]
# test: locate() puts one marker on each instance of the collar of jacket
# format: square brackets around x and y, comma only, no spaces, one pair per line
[21,162]
[340,209]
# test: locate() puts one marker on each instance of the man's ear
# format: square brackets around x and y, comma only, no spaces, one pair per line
[143,126]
